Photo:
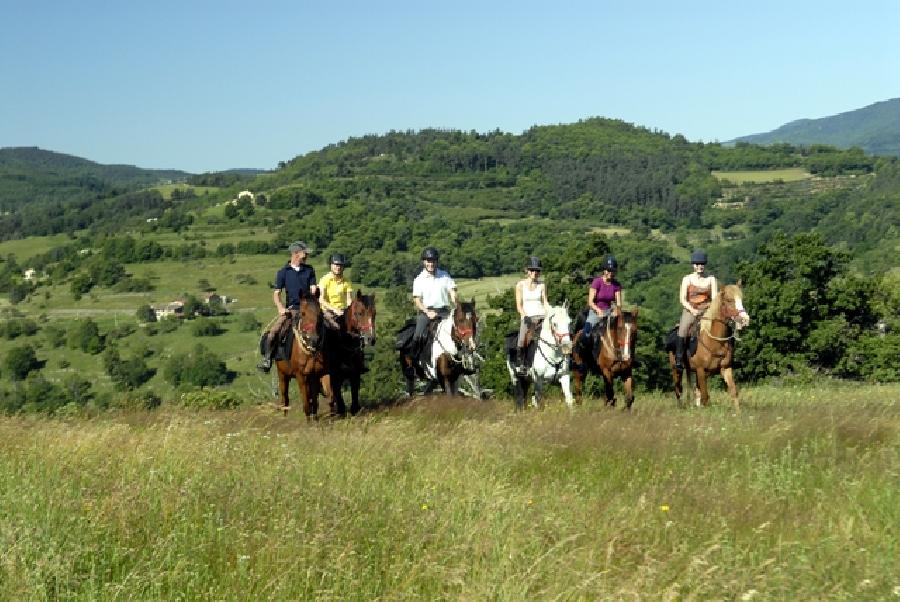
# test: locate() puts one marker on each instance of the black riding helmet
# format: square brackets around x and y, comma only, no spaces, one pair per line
[610,263]
[534,263]
[338,259]
[430,253]
[698,256]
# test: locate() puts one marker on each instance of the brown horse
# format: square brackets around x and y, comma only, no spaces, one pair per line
[346,360]
[453,353]
[715,345]
[614,358]
[308,364]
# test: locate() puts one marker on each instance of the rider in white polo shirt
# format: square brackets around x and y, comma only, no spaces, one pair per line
[433,293]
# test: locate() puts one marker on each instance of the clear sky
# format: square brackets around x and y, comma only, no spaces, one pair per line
[214,84]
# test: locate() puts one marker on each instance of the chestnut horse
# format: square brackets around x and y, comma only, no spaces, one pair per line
[453,352]
[715,345]
[614,358]
[346,360]
[308,364]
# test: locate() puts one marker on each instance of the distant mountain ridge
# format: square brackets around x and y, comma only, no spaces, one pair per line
[875,129]
[31,160]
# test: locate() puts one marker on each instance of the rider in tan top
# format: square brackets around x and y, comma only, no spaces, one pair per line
[531,303]
[698,289]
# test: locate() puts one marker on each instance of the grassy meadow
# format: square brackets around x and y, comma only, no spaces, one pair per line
[760,176]
[795,498]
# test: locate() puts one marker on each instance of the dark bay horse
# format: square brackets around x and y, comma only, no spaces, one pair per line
[715,345]
[615,356]
[453,352]
[308,364]
[346,361]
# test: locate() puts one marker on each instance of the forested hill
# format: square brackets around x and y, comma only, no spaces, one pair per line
[46,168]
[875,129]
[45,192]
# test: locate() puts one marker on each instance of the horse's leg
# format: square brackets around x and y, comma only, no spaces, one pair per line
[629,390]
[700,375]
[332,385]
[303,383]
[728,377]
[676,379]
[409,374]
[283,383]
[537,398]
[578,376]
[565,384]
[608,387]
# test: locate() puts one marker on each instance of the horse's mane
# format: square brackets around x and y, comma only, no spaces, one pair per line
[715,306]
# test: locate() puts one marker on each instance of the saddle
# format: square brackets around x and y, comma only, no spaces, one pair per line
[693,338]
[404,342]
[283,341]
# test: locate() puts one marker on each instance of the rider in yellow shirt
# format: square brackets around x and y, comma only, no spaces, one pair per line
[336,290]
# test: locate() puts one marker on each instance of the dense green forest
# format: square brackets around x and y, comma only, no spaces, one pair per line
[817,256]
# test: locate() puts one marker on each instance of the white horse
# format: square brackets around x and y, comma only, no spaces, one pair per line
[551,359]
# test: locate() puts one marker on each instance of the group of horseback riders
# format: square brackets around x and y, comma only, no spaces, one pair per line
[435,293]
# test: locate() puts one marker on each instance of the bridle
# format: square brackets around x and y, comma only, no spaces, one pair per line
[305,330]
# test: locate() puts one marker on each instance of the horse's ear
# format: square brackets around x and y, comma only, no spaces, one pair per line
[358,294]
[473,301]
[740,282]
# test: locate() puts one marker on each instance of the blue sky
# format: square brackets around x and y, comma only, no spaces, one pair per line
[208,85]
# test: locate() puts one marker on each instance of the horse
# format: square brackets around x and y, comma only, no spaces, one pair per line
[551,359]
[308,364]
[453,352]
[719,325]
[346,361]
[615,356]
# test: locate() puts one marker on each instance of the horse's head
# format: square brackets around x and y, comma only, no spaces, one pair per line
[731,306]
[309,324]
[360,317]
[624,331]
[465,322]
[557,328]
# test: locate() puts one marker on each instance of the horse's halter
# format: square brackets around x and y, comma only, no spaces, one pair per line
[733,315]
[613,341]
[310,333]
[360,322]
[562,339]
[464,335]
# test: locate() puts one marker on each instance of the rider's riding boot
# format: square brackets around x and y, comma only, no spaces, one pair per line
[680,346]
[266,363]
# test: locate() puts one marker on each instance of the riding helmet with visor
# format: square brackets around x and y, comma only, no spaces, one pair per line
[338,259]
[534,263]
[610,264]
[430,253]
[698,256]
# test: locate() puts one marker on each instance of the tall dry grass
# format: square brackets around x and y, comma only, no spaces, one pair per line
[795,498]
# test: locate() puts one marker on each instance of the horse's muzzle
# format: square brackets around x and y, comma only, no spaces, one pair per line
[742,320]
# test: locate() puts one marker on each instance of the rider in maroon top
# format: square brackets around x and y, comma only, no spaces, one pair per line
[604,292]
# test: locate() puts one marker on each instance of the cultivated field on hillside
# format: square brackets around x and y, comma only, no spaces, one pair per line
[796,498]
[790,174]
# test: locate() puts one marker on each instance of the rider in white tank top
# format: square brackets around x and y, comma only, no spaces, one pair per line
[533,300]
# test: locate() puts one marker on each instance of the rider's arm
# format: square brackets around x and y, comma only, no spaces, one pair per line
[519,307]
[544,297]
[276,297]
[619,298]
[453,294]
[417,301]
[590,301]
[714,289]
[682,295]
[323,301]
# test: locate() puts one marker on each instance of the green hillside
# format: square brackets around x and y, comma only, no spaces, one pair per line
[875,129]
[820,223]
